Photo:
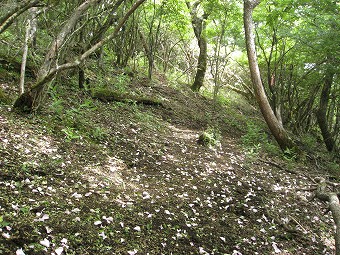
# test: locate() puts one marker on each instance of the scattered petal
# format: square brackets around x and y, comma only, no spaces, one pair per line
[102,234]
[48,230]
[98,222]
[132,252]
[43,218]
[20,252]
[276,249]
[45,243]
[6,235]
[59,250]
[108,219]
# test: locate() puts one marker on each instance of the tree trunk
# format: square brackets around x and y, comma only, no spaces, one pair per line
[50,57]
[199,25]
[201,65]
[29,36]
[322,111]
[31,100]
[24,59]
[81,78]
[274,125]
[27,104]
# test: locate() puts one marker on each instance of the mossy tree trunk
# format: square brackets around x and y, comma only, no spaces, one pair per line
[323,108]
[199,27]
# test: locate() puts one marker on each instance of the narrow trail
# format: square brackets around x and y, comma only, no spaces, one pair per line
[148,188]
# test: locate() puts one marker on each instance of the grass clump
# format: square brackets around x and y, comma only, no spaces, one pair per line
[210,137]
[257,140]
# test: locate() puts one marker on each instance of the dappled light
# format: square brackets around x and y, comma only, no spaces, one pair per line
[169,127]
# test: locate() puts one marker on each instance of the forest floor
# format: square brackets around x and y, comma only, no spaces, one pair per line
[88,177]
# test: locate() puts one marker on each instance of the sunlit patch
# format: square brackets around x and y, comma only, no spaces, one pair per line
[110,172]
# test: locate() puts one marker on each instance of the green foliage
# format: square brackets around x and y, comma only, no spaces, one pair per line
[333,169]
[98,133]
[70,134]
[3,97]
[254,137]
[290,154]
[257,140]
[120,83]
[210,137]
[57,106]
[3,223]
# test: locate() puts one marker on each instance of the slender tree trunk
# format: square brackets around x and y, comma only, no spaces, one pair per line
[50,58]
[322,111]
[199,27]
[31,100]
[274,125]
[145,45]
[29,36]
[81,78]
[24,59]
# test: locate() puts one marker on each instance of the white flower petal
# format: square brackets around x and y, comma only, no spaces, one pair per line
[20,252]
[276,249]
[98,222]
[48,230]
[132,252]
[59,250]
[6,235]
[45,243]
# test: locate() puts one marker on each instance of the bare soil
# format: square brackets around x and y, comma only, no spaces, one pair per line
[87,177]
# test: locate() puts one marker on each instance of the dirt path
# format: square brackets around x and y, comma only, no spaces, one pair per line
[147,187]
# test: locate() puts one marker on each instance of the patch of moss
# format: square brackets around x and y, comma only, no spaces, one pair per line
[209,138]
[106,95]
[4,98]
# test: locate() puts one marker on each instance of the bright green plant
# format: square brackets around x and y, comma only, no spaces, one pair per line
[210,137]
[57,106]
[71,134]
[253,138]
[120,83]
[3,223]
[98,133]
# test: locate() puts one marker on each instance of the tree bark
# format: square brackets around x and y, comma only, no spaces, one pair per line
[334,207]
[31,100]
[29,36]
[24,59]
[50,57]
[199,26]
[274,125]
[322,111]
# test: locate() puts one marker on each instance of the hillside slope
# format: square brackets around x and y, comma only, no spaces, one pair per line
[91,177]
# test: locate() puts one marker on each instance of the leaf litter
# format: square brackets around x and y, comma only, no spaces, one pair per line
[148,188]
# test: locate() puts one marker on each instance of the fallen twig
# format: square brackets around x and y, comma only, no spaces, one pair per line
[334,206]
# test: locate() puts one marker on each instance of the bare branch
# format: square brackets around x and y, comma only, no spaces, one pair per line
[8,19]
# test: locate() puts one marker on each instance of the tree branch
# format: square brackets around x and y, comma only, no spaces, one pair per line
[334,206]
[8,19]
